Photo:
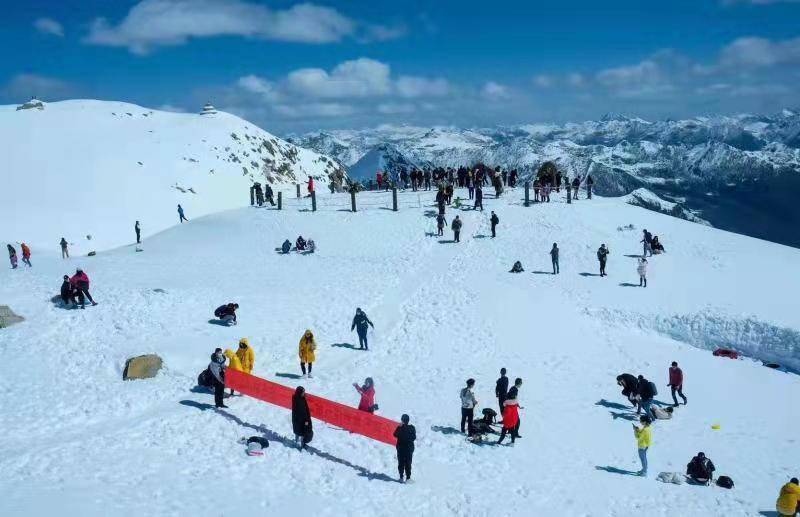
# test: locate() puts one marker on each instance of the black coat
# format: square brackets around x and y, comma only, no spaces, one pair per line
[361,322]
[405,434]
[700,468]
[513,393]
[644,390]
[501,387]
[301,416]
[66,290]
[630,384]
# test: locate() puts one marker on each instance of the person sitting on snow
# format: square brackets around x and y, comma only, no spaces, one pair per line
[311,246]
[517,267]
[227,313]
[286,247]
[300,243]
[67,294]
[656,246]
[700,469]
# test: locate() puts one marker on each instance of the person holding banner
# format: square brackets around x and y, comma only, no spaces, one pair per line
[301,418]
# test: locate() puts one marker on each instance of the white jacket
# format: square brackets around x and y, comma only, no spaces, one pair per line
[642,267]
[468,399]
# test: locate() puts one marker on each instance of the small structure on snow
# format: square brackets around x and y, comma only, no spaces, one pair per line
[208,109]
[34,103]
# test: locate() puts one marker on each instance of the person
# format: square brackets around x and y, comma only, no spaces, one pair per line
[501,389]
[26,254]
[536,187]
[227,313]
[301,418]
[440,222]
[646,241]
[307,352]
[286,247]
[379,179]
[470,186]
[80,283]
[513,393]
[367,392]
[181,215]
[405,434]
[656,246]
[456,226]
[641,268]
[468,403]
[517,267]
[217,369]
[310,185]
[644,439]
[12,256]
[554,259]
[576,185]
[662,414]
[138,230]
[478,198]
[67,295]
[788,502]
[676,383]
[64,248]
[602,257]
[269,194]
[700,469]
[645,392]
[300,243]
[233,362]
[510,419]
[494,220]
[361,324]
[630,386]
[246,355]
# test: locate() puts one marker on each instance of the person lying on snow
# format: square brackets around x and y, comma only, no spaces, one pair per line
[367,391]
[227,313]
[662,414]
[700,469]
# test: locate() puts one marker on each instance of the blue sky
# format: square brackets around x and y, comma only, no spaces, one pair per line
[293,67]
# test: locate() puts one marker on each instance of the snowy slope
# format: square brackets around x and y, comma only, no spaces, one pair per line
[83,167]
[80,441]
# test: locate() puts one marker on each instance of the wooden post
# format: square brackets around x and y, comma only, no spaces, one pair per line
[588,191]
[353,200]
[298,190]
[313,200]
[569,194]
[527,193]
[280,200]
[394,199]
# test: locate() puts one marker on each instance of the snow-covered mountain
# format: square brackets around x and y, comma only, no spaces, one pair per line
[91,168]
[740,172]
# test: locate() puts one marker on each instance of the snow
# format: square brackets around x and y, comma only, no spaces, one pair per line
[80,441]
[93,168]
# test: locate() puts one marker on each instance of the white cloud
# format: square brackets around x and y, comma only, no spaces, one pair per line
[171,108]
[262,87]
[315,109]
[153,23]
[645,72]
[495,91]
[383,32]
[357,78]
[25,86]
[544,81]
[49,26]
[760,52]
[412,87]
[395,108]
[576,79]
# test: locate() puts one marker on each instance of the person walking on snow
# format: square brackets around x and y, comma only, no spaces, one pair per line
[602,257]
[478,198]
[440,222]
[630,386]
[676,383]
[361,324]
[307,352]
[554,259]
[501,389]
[644,439]
[647,241]
[12,256]
[645,390]
[301,418]
[494,220]
[138,230]
[456,226]
[510,419]
[468,403]
[80,283]
[405,434]
[26,254]
[788,502]
[233,362]
[641,268]
[181,215]
[217,369]
[367,392]
[64,249]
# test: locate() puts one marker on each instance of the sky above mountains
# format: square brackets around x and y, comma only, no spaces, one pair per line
[293,67]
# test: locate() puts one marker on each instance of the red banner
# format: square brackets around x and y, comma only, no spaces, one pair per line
[356,421]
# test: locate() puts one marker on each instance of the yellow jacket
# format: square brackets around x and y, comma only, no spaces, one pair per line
[233,362]
[787,501]
[246,356]
[307,348]
[644,437]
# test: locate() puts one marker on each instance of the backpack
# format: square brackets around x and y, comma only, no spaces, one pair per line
[653,387]
[204,379]
[489,415]
[725,482]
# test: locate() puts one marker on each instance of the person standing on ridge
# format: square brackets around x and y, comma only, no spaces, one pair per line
[26,254]
[494,220]
[676,383]
[602,257]
[456,226]
[644,439]
[468,403]
[307,352]
[138,230]
[361,324]
[647,240]
[217,369]
[405,434]
[301,418]
[64,248]
[181,215]
[478,197]
[501,389]
[554,259]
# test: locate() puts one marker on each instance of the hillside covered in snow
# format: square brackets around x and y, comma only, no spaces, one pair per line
[91,168]
[81,441]
[741,173]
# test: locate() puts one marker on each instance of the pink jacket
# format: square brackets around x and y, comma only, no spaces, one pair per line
[367,397]
[675,377]
[79,277]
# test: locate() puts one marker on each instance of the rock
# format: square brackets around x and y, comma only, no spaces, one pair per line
[142,367]
[7,317]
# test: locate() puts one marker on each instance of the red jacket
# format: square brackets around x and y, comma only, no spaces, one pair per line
[379,176]
[26,251]
[510,415]
[675,376]
[311,184]
[367,398]
[79,277]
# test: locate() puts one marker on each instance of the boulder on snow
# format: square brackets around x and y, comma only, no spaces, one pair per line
[142,367]
[8,317]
